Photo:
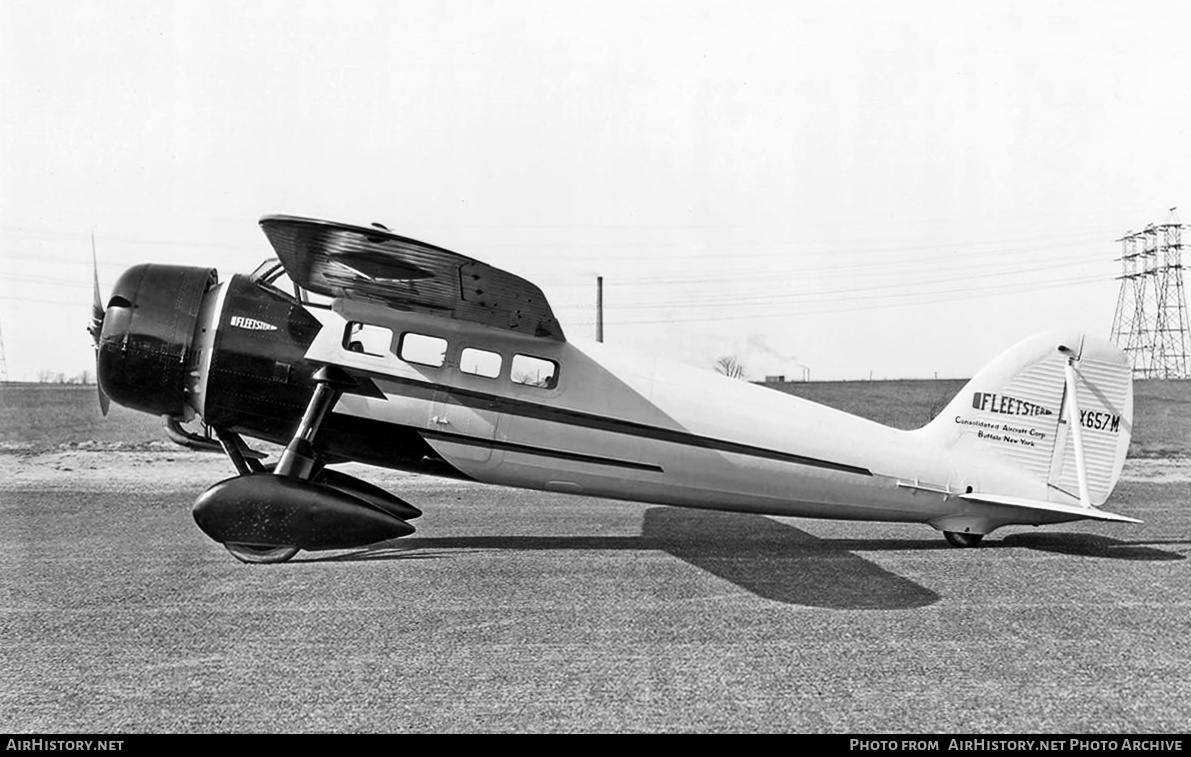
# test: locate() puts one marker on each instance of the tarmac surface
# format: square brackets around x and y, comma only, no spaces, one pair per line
[514,611]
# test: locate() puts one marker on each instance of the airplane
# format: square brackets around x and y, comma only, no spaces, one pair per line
[357,344]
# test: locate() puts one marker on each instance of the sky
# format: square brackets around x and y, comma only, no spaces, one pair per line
[843,190]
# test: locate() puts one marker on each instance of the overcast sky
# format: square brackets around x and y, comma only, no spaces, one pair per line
[901,188]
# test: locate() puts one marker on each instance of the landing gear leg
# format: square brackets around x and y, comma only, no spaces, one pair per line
[234,447]
[960,539]
[299,460]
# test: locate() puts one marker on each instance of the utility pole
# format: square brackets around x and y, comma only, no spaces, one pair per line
[599,308]
[1151,323]
[3,362]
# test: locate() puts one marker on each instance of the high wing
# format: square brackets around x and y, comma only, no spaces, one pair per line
[373,264]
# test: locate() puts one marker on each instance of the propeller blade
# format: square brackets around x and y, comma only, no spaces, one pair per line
[95,328]
[96,325]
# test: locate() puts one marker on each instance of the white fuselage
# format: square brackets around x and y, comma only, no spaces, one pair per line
[637,428]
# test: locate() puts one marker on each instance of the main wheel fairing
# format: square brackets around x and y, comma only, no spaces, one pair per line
[263,510]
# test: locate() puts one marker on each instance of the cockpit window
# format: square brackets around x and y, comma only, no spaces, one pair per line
[267,271]
[271,274]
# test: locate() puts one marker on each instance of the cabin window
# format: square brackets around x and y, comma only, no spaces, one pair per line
[480,362]
[367,339]
[423,349]
[534,371]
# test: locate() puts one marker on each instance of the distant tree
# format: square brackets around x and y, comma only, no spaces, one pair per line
[730,366]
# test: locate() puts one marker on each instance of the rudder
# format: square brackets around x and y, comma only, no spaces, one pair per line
[1018,408]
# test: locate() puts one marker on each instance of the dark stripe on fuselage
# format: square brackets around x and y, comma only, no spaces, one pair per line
[496,403]
[540,451]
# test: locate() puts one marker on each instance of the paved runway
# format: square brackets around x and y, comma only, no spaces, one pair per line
[519,611]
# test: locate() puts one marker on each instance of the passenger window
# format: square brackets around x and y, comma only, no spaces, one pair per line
[367,339]
[534,371]
[480,362]
[423,350]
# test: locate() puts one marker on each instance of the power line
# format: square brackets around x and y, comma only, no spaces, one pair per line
[919,299]
[731,300]
[886,268]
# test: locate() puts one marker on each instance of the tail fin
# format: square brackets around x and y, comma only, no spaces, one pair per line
[1018,407]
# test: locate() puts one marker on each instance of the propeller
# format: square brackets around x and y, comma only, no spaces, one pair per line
[95,328]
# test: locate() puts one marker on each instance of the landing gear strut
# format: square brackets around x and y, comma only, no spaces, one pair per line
[300,460]
[960,539]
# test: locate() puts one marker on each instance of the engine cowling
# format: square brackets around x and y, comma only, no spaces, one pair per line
[146,345]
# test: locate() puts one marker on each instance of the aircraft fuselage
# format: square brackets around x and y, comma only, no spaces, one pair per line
[605,423]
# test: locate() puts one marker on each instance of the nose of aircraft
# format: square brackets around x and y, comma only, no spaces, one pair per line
[144,350]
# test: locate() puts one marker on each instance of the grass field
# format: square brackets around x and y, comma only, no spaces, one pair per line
[40,416]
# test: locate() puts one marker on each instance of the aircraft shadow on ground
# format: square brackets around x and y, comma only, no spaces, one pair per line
[773,559]
[1077,544]
[777,561]
[768,558]
[1093,545]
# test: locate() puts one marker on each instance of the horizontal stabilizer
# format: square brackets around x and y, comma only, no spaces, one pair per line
[1075,511]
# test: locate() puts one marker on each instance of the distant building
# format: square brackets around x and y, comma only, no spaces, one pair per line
[778,379]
